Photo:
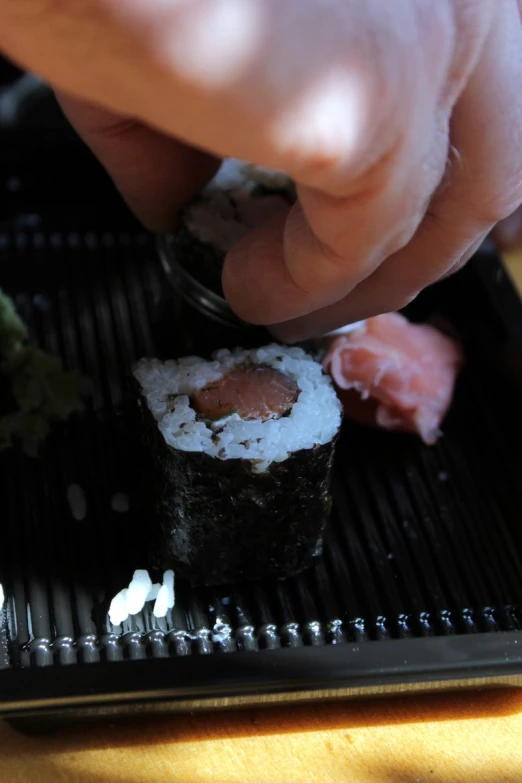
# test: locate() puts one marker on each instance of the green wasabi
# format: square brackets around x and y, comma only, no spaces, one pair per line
[35,390]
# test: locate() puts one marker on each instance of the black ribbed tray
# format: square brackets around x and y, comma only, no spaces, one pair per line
[421,581]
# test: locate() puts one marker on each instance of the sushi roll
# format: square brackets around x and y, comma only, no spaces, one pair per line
[239,198]
[196,317]
[241,448]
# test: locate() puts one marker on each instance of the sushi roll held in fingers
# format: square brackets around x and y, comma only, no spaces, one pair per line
[195,317]
[242,447]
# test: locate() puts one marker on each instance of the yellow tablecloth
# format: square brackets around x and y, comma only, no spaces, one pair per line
[473,737]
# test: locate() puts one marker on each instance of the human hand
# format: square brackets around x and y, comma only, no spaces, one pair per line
[400,123]
[507,234]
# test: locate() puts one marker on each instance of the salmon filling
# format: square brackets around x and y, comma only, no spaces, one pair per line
[254,392]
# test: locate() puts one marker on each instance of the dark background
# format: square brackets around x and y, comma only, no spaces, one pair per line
[46,172]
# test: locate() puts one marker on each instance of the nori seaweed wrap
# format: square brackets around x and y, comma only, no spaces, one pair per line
[240,453]
[195,318]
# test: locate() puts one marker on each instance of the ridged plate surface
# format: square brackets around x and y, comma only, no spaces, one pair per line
[423,541]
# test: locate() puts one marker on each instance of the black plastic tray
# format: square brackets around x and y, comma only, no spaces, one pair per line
[421,582]
[420,586]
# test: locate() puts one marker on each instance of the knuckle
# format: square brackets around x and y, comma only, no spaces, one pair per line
[472,21]
[362,184]
[353,128]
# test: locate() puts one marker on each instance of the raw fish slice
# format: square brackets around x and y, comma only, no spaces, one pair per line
[252,392]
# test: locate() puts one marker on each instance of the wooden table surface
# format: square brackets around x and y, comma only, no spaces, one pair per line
[473,737]
[514,264]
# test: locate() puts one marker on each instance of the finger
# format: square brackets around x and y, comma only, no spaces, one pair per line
[485,186]
[357,307]
[156,175]
[463,260]
[338,235]
[508,233]
[328,243]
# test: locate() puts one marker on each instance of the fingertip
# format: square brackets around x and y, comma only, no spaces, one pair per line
[252,270]
[298,330]
[508,233]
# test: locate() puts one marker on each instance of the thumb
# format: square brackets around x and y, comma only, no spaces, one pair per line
[508,233]
[156,175]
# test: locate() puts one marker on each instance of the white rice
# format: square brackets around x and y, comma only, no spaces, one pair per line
[168,581]
[162,602]
[153,592]
[227,208]
[120,503]
[77,501]
[314,419]
[138,591]
[346,329]
[235,174]
[132,599]
[221,633]
[118,612]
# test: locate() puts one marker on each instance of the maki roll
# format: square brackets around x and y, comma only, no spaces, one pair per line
[242,448]
[239,198]
[196,317]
